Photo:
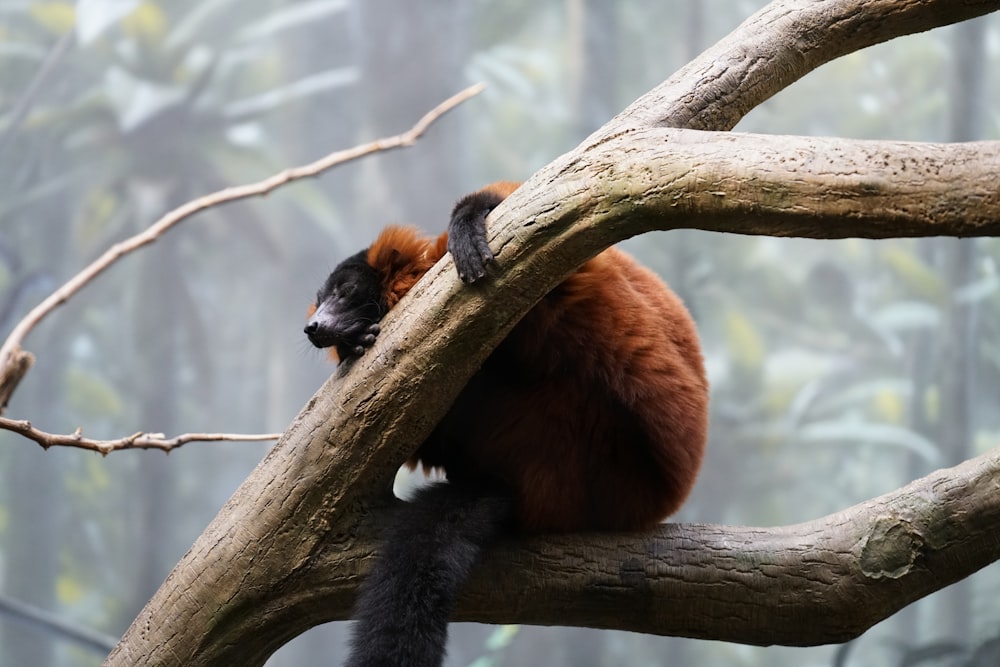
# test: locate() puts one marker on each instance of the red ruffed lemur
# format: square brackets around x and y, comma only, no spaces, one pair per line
[590,416]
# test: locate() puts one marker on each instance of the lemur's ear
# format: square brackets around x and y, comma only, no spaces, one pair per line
[400,256]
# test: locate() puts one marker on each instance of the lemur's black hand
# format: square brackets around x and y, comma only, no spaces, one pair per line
[467,234]
[357,339]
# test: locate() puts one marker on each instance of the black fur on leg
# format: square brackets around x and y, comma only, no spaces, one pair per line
[432,544]
[467,234]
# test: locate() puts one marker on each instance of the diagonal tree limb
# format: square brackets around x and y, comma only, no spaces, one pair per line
[777,46]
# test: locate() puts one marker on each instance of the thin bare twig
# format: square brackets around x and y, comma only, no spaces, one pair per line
[45,621]
[135,441]
[15,362]
[13,343]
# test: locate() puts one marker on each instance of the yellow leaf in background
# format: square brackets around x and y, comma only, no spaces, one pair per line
[888,406]
[922,281]
[932,404]
[95,216]
[147,22]
[93,484]
[780,395]
[98,478]
[746,348]
[56,17]
[91,395]
[68,591]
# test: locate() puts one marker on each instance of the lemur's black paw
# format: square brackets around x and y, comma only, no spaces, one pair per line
[471,256]
[357,340]
[467,235]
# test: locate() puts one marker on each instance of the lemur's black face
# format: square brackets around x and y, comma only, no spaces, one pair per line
[349,306]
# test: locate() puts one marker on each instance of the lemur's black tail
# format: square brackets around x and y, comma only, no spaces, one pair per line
[434,541]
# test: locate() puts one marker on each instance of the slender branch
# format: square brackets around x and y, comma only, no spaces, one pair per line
[13,343]
[138,440]
[27,99]
[29,615]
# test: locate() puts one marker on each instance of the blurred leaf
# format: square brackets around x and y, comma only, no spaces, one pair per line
[516,71]
[99,208]
[978,290]
[888,406]
[304,87]
[56,17]
[44,191]
[295,14]
[96,16]
[502,637]
[831,286]
[905,316]
[745,344]
[68,590]
[94,481]
[234,163]
[29,52]
[831,395]
[794,381]
[312,200]
[932,653]
[932,404]
[499,639]
[147,22]
[135,101]
[870,433]
[922,281]
[196,22]
[98,479]
[90,395]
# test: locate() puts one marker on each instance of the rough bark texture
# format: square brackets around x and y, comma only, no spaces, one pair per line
[286,551]
[775,47]
[823,581]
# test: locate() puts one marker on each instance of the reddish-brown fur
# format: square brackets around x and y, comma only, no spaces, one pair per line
[594,409]
[401,258]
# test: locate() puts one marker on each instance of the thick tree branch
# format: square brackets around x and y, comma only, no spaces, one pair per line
[820,582]
[777,46]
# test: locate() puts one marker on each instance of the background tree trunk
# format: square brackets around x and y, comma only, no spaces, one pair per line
[427,75]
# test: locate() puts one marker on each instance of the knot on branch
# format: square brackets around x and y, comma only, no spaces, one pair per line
[14,369]
[890,548]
